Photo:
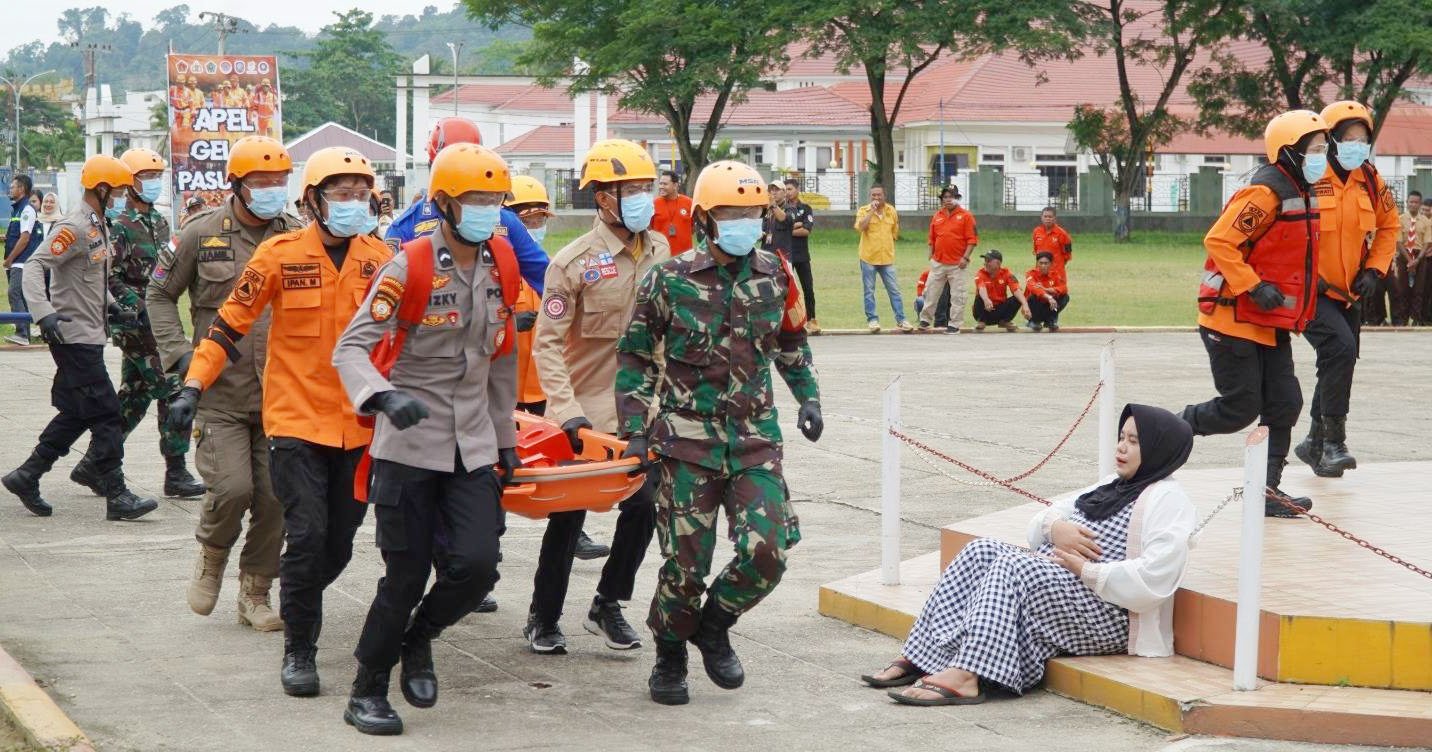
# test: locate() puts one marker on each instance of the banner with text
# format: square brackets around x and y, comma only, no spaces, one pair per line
[215,100]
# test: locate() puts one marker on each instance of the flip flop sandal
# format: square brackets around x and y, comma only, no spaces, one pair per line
[912,673]
[947,696]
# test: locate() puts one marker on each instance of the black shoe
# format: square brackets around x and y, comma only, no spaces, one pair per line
[85,475]
[417,678]
[605,620]
[713,639]
[1276,503]
[545,639]
[178,482]
[668,676]
[588,549]
[121,503]
[1310,449]
[368,709]
[299,675]
[487,606]
[24,482]
[1335,456]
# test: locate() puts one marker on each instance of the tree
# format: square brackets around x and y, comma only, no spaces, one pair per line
[349,80]
[683,60]
[1166,36]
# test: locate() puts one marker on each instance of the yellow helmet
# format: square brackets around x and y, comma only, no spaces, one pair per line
[527,190]
[461,168]
[729,183]
[257,154]
[336,160]
[102,169]
[1339,112]
[142,160]
[615,159]
[1289,128]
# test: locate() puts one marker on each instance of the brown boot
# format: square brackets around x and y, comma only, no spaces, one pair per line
[254,608]
[208,576]
[813,327]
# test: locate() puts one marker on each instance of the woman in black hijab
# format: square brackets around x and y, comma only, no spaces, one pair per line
[1087,587]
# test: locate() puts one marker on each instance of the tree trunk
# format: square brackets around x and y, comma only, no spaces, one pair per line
[885,155]
[1123,215]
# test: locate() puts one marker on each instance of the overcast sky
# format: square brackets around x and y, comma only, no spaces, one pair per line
[27,20]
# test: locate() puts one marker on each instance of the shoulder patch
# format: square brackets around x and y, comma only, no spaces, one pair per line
[247,290]
[426,227]
[555,307]
[1249,218]
[1388,202]
[64,238]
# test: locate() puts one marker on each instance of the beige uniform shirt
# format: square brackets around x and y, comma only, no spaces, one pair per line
[446,363]
[587,301]
[213,250]
[76,255]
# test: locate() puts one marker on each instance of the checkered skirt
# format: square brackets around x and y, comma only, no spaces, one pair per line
[1000,611]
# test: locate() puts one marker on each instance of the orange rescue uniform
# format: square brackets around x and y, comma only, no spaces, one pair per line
[312,305]
[1246,217]
[952,234]
[529,389]
[672,221]
[999,286]
[1348,214]
[1037,284]
[1056,242]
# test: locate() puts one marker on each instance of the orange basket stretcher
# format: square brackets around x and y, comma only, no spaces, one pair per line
[553,478]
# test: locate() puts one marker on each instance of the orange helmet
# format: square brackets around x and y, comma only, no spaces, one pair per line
[336,160]
[257,154]
[614,159]
[527,190]
[142,160]
[449,131]
[729,183]
[102,169]
[1339,112]
[1289,128]
[460,168]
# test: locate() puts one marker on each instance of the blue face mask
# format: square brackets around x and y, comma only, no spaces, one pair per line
[738,237]
[1314,167]
[151,189]
[537,234]
[267,203]
[349,218]
[369,225]
[478,222]
[637,211]
[1351,154]
[116,207]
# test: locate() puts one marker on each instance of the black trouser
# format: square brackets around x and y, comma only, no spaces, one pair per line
[412,504]
[87,401]
[1334,333]
[1254,382]
[1041,312]
[942,309]
[807,285]
[1399,293]
[320,516]
[636,521]
[1001,313]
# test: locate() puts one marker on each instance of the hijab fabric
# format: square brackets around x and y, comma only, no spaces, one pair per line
[1165,441]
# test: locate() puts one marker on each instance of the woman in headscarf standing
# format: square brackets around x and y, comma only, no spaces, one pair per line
[1098,578]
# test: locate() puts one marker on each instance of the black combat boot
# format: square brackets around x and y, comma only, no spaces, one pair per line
[300,654]
[1335,455]
[1275,502]
[419,681]
[368,709]
[24,481]
[120,503]
[713,639]
[668,676]
[86,475]
[178,482]
[1310,449]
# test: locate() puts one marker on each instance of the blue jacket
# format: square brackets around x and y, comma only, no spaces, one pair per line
[421,219]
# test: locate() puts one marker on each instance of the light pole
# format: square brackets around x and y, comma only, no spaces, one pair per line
[456,48]
[15,92]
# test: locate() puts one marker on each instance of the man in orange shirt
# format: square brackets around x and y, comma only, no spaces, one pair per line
[673,213]
[1047,291]
[952,242]
[315,278]
[1050,238]
[998,296]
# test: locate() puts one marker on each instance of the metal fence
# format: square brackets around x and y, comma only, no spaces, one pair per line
[1165,193]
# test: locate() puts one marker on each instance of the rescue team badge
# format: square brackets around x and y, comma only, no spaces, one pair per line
[385,300]
[1249,219]
[301,276]
[249,286]
[555,306]
[62,241]
[591,275]
[366,269]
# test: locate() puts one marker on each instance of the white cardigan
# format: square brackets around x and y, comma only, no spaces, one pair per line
[1154,565]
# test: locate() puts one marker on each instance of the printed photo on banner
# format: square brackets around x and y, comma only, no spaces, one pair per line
[215,100]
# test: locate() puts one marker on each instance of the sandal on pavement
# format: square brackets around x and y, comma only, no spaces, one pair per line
[910,673]
[947,696]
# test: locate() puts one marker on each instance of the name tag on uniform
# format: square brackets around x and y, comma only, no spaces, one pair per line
[300,276]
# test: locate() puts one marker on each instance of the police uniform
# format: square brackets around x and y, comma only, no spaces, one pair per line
[590,290]
[421,219]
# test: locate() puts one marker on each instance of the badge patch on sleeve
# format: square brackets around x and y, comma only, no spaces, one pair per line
[1388,202]
[555,306]
[1249,219]
[249,286]
[62,241]
[385,300]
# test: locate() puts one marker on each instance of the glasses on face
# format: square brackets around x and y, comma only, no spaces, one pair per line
[631,190]
[1318,148]
[482,198]
[278,182]
[721,213]
[342,195]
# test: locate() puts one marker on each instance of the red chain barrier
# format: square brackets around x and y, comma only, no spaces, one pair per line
[1394,558]
[970,468]
[1077,421]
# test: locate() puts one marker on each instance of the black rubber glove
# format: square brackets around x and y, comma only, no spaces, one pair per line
[637,447]
[181,410]
[181,366]
[1267,296]
[507,463]
[121,317]
[809,420]
[526,320]
[403,409]
[572,427]
[50,329]
[1365,286]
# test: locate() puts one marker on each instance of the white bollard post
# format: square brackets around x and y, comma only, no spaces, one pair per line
[1108,413]
[890,488]
[1250,562]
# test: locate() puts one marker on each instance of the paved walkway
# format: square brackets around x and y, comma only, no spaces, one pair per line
[96,610]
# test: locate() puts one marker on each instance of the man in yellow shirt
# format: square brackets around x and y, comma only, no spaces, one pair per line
[879,228]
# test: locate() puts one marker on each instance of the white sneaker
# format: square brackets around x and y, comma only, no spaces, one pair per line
[874,326]
[16,339]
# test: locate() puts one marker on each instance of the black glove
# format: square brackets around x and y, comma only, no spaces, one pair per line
[1365,286]
[507,463]
[1267,296]
[50,329]
[809,420]
[526,320]
[403,409]
[571,428]
[181,410]
[181,366]
[119,316]
[637,447]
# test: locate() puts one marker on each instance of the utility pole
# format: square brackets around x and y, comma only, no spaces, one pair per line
[89,50]
[224,25]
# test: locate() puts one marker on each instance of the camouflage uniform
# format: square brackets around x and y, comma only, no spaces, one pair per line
[716,430]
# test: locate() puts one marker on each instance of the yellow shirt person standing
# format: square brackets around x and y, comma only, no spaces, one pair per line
[879,228]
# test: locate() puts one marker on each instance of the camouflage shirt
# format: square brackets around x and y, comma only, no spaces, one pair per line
[137,239]
[719,329]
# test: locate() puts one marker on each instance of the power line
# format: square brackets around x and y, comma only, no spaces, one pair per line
[224,24]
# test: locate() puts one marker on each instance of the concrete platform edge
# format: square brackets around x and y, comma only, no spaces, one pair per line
[43,724]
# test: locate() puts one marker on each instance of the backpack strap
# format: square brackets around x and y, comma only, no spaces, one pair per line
[509,278]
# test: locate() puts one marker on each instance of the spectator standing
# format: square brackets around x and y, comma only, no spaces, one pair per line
[673,213]
[777,224]
[385,213]
[802,222]
[21,239]
[1421,276]
[1399,282]
[1050,238]
[879,228]
[1047,292]
[952,242]
[50,213]
[999,297]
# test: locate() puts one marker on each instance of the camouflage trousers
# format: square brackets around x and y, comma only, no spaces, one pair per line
[759,522]
[142,380]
